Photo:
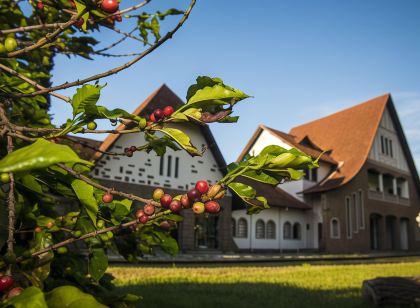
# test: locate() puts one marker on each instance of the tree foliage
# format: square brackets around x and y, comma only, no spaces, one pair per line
[56,252]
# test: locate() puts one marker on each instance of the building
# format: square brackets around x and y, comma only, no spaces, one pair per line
[363,197]
[176,172]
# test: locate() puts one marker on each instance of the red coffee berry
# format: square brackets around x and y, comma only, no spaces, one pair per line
[152,117]
[143,219]
[133,148]
[139,213]
[40,5]
[158,114]
[6,282]
[118,18]
[14,292]
[149,209]
[107,198]
[38,229]
[79,23]
[202,186]
[167,111]
[193,194]
[166,200]
[185,201]
[175,206]
[212,207]
[109,6]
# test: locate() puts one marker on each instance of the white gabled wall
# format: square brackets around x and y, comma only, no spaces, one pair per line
[387,130]
[280,217]
[144,168]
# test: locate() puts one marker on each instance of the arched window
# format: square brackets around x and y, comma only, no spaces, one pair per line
[271,229]
[242,228]
[233,227]
[287,230]
[260,229]
[335,228]
[296,231]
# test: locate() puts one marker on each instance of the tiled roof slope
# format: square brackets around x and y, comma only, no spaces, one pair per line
[349,134]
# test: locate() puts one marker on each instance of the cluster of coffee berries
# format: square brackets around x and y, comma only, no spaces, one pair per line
[109,6]
[6,283]
[130,150]
[9,45]
[159,114]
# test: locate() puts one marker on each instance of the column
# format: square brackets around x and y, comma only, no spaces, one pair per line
[381,182]
[394,186]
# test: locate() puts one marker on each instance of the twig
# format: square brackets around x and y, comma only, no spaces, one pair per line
[33,27]
[11,206]
[115,43]
[119,68]
[107,189]
[32,82]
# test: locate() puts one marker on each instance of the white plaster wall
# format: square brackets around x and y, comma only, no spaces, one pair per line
[387,129]
[279,216]
[143,168]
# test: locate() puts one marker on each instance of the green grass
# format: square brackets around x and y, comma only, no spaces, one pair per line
[256,286]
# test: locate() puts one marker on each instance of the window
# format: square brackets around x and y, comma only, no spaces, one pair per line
[382,145]
[242,228]
[355,212]
[361,210]
[373,180]
[348,218]
[176,166]
[311,174]
[169,165]
[233,221]
[271,229]
[296,231]
[287,230]
[260,229]
[161,166]
[386,146]
[335,228]
[390,148]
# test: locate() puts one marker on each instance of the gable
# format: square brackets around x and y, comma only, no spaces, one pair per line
[176,169]
[387,148]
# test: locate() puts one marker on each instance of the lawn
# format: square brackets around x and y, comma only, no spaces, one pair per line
[256,286]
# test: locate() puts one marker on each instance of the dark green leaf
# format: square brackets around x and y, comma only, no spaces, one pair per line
[182,139]
[98,263]
[87,95]
[40,154]
[84,193]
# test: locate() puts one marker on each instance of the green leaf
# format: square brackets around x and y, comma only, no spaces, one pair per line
[261,177]
[84,193]
[155,27]
[86,96]
[101,112]
[167,243]
[38,155]
[242,190]
[182,139]
[30,182]
[122,209]
[168,12]
[31,297]
[98,263]
[253,208]
[174,217]
[69,296]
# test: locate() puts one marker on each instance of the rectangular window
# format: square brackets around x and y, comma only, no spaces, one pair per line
[314,174]
[386,146]
[348,218]
[382,145]
[176,166]
[361,209]
[161,166]
[169,165]
[390,148]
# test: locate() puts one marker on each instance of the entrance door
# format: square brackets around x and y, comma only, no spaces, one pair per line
[206,232]
[404,233]
[374,231]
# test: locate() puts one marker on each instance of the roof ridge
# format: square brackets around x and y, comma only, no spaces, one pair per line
[376,99]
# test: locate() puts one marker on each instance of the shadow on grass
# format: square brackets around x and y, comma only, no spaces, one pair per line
[242,295]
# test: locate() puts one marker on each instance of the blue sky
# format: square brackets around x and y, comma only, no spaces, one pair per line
[300,60]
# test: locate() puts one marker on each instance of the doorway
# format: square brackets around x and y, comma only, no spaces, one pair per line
[206,232]
[375,220]
[404,233]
